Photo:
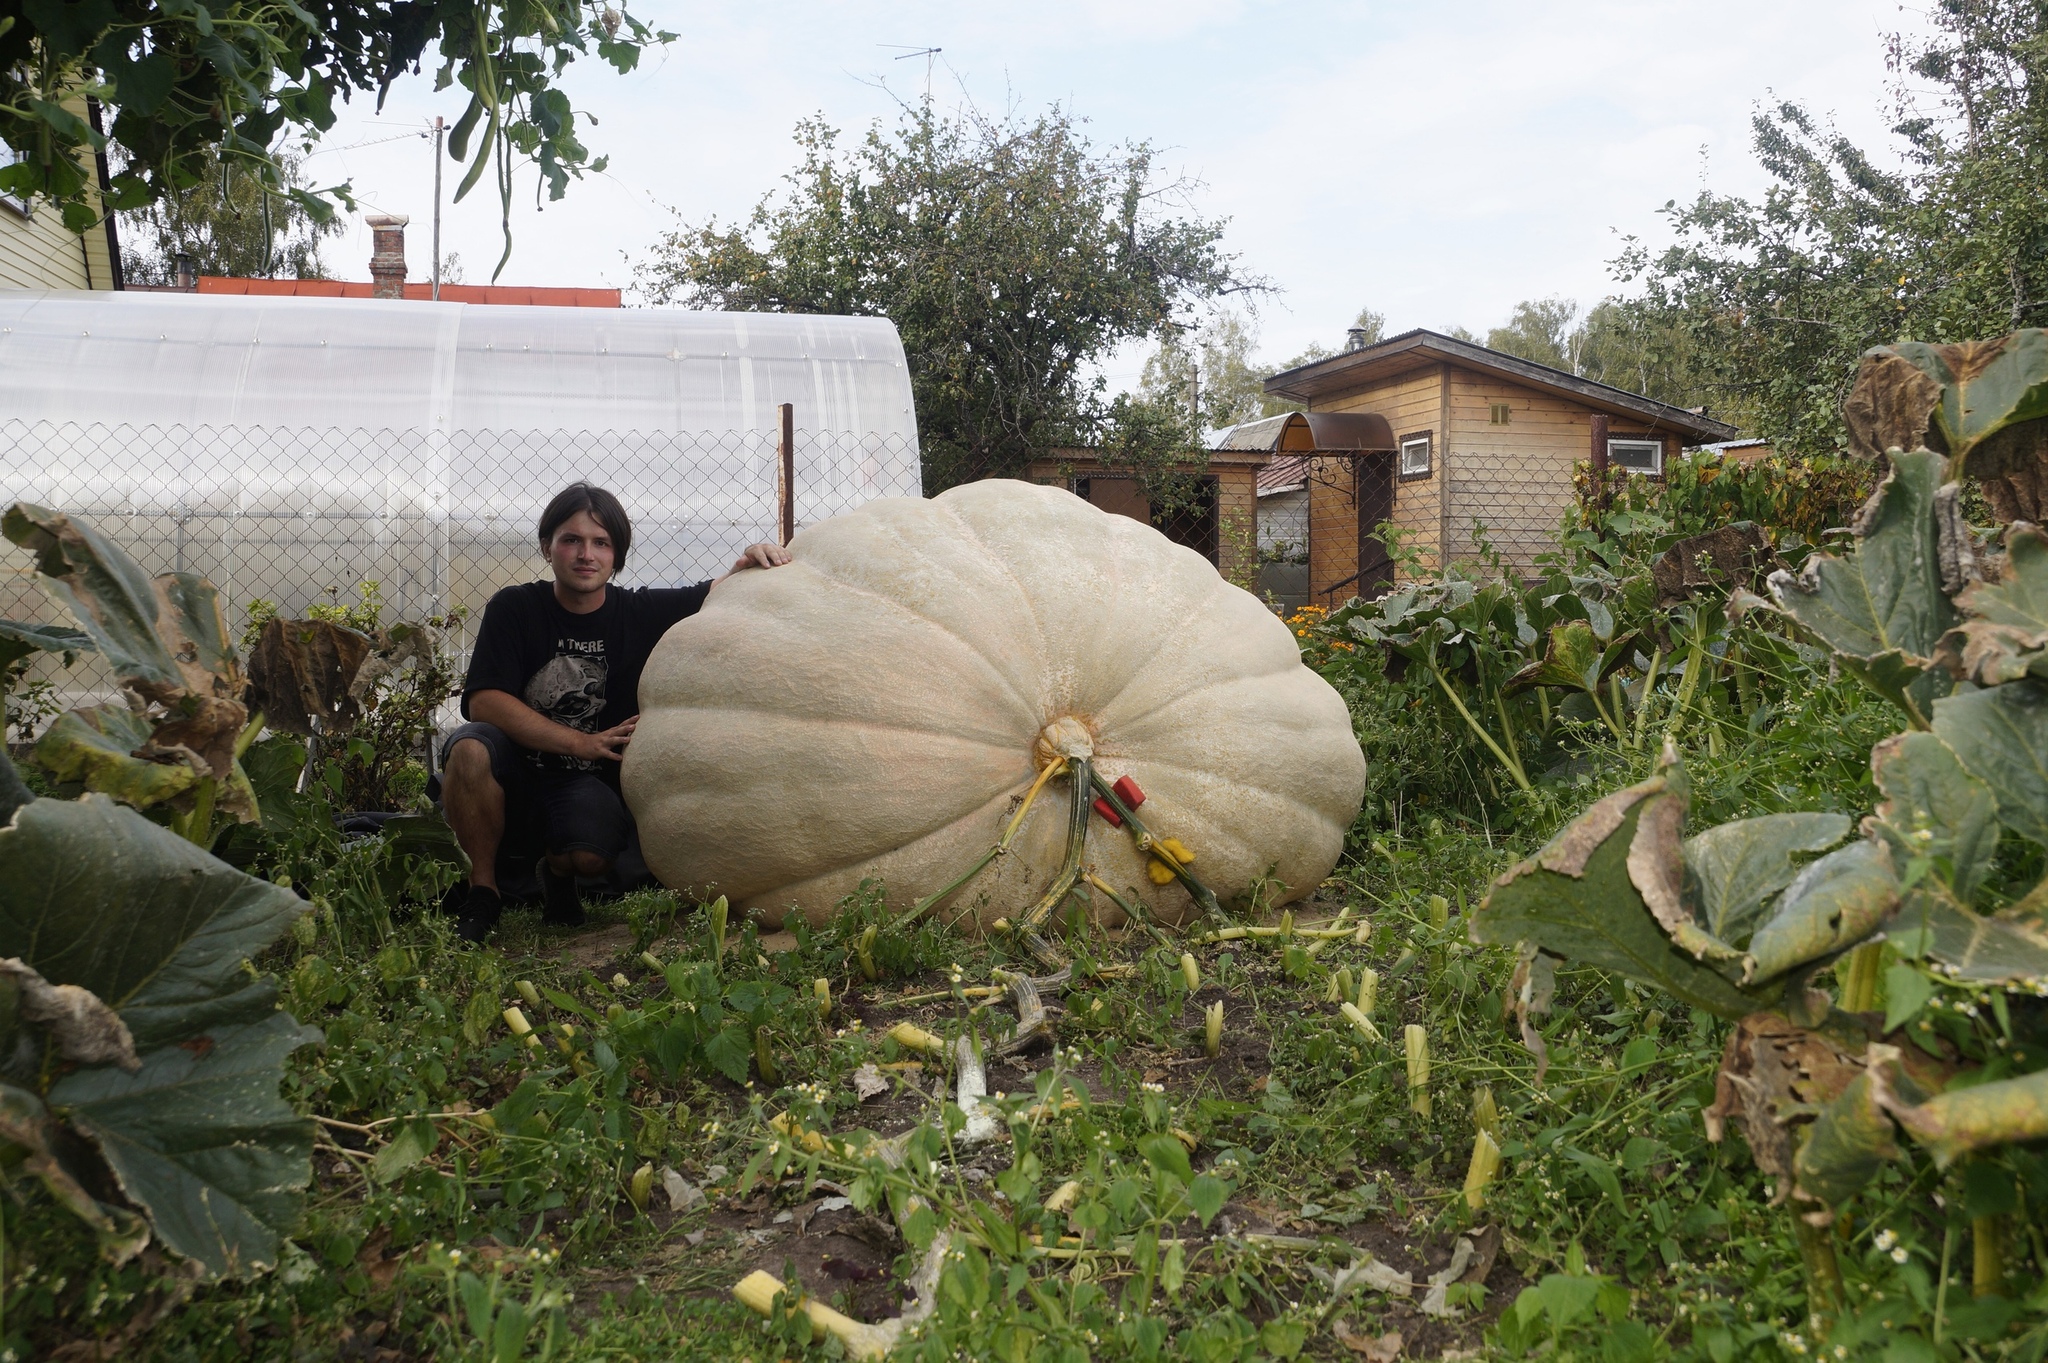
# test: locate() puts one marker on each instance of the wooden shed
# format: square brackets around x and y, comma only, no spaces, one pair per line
[1468,446]
[1222,526]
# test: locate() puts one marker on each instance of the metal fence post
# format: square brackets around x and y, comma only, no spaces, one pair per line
[787,492]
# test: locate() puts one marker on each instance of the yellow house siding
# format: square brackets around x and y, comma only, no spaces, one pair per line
[38,252]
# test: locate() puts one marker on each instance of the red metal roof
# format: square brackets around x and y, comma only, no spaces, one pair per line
[1288,470]
[450,293]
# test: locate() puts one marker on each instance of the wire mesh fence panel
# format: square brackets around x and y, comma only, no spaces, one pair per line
[440,522]
[1511,500]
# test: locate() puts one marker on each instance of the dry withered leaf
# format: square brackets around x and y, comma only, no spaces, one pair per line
[1889,405]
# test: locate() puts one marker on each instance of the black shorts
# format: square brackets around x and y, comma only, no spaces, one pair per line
[570,811]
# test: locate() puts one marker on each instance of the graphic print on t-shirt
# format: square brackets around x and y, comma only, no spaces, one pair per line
[570,690]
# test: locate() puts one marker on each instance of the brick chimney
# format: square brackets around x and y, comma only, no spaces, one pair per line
[387,255]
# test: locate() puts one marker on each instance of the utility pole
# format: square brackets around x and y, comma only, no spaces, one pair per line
[437,207]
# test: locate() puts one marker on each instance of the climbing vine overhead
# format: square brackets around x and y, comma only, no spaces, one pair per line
[210,82]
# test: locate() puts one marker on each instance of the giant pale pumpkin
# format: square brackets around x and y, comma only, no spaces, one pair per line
[878,707]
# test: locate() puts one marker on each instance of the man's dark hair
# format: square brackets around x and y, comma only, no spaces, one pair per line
[602,506]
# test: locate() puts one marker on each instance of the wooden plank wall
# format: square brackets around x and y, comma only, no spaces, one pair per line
[1516,478]
[1237,521]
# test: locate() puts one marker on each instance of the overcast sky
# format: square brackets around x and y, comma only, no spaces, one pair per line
[1436,162]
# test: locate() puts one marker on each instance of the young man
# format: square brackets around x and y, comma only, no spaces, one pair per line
[552,696]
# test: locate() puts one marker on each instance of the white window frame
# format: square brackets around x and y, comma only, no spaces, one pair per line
[1620,443]
[1411,443]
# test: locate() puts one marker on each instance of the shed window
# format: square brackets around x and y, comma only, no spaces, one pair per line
[1497,414]
[1415,455]
[1637,456]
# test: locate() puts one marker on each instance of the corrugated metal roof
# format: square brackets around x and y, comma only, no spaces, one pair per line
[1284,474]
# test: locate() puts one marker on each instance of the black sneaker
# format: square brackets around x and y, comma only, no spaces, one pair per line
[478,914]
[561,906]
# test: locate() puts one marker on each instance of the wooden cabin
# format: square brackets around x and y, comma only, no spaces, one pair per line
[1222,526]
[1458,446]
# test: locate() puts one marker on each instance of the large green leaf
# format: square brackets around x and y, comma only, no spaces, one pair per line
[19,638]
[1882,610]
[200,1139]
[1977,1116]
[102,587]
[1576,899]
[2009,947]
[1935,808]
[1829,907]
[27,1126]
[95,895]
[96,745]
[2001,736]
[1738,866]
[1574,660]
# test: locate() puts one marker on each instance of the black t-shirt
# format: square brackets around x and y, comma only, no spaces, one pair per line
[582,671]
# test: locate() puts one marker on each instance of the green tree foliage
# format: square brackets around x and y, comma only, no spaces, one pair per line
[230,223]
[1629,344]
[1216,362]
[1210,372]
[205,81]
[1539,329]
[1011,254]
[1842,253]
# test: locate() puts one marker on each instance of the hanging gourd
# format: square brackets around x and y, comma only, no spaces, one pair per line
[881,707]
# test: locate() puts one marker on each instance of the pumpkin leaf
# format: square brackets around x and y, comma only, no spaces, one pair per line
[1974,1117]
[96,746]
[1933,807]
[200,1139]
[303,670]
[2005,632]
[1738,866]
[2009,947]
[1986,386]
[1575,898]
[2001,736]
[1575,659]
[19,638]
[1851,1140]
[1882,609]
[1830,906]
[26,1125]
[97,896]
[104,590]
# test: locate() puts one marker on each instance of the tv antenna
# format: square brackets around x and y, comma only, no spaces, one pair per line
[908,52]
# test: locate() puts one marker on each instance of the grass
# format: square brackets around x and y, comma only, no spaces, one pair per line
[479,1194]
[1606,1182]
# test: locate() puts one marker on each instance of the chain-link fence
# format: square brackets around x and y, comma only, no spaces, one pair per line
[1514,499]
[296,517]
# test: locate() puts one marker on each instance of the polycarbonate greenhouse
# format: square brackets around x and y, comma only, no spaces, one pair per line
[291,448]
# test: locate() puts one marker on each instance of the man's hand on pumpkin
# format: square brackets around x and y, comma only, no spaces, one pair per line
[610,745]
[761,556]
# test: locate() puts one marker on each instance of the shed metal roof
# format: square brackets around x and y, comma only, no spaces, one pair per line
[1347,372]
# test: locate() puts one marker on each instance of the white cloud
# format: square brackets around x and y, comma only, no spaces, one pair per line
[1438,163]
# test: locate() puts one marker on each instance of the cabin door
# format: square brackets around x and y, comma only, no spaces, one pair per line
[1375,501]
